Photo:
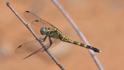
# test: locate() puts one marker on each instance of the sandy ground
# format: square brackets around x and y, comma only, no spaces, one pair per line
[100,21]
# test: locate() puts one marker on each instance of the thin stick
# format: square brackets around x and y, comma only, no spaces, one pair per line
[33,33]
[80,34]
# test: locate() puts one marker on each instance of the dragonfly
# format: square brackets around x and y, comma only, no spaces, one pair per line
[50,31]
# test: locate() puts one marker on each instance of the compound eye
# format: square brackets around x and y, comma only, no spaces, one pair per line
[43,29]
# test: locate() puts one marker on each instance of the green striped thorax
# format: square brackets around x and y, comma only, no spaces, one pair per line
[52,32]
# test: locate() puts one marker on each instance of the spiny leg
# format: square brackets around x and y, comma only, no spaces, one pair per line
[50,40]
[44,38]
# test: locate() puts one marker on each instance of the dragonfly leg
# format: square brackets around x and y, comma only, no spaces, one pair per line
[44,38]
[50,40]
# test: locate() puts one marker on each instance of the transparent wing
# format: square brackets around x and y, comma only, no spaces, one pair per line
[36,21]
[28,47]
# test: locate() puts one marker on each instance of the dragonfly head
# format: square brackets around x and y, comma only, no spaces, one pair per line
[44,30]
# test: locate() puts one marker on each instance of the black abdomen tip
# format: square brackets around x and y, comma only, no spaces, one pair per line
[95,49]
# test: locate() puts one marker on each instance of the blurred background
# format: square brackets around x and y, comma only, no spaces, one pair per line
[100,20]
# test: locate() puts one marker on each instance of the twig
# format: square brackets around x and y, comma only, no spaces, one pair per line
[33,33]
[80,34]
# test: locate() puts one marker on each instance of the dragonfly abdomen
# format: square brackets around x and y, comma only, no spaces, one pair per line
[66,39]
[86,46]
[81,44]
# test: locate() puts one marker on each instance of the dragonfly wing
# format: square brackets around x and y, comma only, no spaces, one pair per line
[33,46]
[36,21]
[28,47]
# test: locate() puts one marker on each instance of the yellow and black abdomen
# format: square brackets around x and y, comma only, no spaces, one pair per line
[86,46]
[66,39]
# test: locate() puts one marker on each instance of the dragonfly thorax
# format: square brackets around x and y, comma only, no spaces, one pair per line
[52,32]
